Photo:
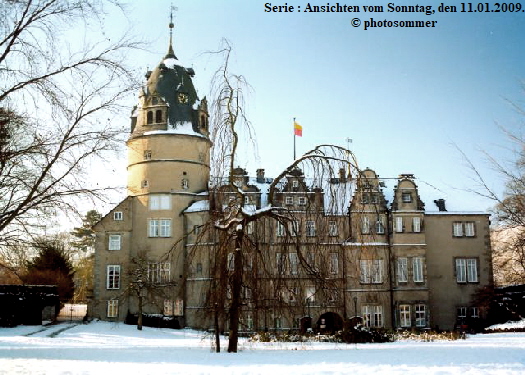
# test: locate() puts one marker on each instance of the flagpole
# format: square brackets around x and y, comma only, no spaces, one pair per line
[294,136]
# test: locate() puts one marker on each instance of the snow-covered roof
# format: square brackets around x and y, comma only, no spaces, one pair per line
[178,127]
[198,206]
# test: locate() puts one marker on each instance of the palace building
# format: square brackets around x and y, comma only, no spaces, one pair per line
[348,247]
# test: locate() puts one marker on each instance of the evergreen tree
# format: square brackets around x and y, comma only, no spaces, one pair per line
[85,234]
[51,267]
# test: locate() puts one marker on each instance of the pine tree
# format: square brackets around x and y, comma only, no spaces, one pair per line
[85,234]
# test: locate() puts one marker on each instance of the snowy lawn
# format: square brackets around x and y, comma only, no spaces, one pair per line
[110,348]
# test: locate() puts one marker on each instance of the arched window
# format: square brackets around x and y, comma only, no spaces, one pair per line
[203,121]
[150,117]
[158,116]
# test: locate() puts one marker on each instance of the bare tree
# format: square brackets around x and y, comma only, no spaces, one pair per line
[58,99]
[235,256]
[508,233]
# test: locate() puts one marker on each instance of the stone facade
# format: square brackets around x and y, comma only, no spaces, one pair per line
[337,255]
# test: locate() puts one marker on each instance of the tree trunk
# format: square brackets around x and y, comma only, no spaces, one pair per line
[236,284]
[139,320]
[217,335]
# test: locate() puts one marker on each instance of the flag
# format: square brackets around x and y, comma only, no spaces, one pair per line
[297,129]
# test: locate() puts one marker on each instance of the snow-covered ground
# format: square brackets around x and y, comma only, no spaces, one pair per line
[111,348]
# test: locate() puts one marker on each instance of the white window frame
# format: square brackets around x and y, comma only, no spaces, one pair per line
[334,263]
[147,154]
[418,269]
[371,271]
[461,312]
[380,226]
[474,312]
[159,273]
[310,228]
[406,197]
[295,184]
[309,294]
[118,216]
[420,312]
[288,200]
[470,229]
[168,307]
[301,201]
[112,308]
[467,270]
[114,242]
[399,224]
[416,224]
[365,225]
[457,229]
[405,319]
[472,270]
[373,315]
[159,228]
[402,270]
[332,228]
[279,229]
[294,263]
[159,202]
[461,270]
[113,276]
[185,184]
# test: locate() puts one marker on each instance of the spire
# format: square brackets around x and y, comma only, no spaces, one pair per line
[171,53]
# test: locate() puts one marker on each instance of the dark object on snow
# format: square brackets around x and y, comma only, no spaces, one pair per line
[28,304]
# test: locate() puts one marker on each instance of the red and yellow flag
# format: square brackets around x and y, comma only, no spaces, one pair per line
[297,129]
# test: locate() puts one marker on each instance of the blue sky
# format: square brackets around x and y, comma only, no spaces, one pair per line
[404,96]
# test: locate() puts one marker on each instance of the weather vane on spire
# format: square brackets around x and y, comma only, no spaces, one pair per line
[171,53]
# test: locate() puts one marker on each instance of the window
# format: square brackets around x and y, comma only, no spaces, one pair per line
[247,199]
[470,229]
[309,294]
[280,261]
[417,268]
[168,307]
[421,315]
[462,312]
[149,118]
[280,229]
[457,229]
[332,228]
[178,309]
[302,201]
[374,199]
[365,199]
[406,197]
[295,184]
[249,227]
[365,225]
[159,228]
[334,263]
[158,116]
[185,184]
[144,183]
[402,270]
[294,263]
[114,242]
[373,315]
[159,202]
[231,262]
[416,224]
[310,228]
[474,312]
[380,226]
[371,271]
[404,316]
[399,224]
[112,308]
[113,277]
[294,229]
[197,229]
[159,272]
[147,154]
[467,270]
[118,215]
[289,201]
[198,269]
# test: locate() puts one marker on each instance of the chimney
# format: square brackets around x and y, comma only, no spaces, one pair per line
[440,203]
[342,177]
[260,175]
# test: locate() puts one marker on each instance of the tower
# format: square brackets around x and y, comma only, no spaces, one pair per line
[168,169]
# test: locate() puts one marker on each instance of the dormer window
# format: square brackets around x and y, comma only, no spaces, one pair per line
[406,197]
[295,184]
[155,101]
[158,116]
